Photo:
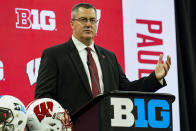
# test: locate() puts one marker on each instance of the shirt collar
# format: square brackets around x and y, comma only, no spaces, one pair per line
[80,46]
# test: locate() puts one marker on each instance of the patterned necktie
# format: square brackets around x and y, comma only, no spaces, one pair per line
[93,73]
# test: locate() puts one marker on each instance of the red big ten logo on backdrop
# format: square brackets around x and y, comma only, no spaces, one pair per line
[35,19]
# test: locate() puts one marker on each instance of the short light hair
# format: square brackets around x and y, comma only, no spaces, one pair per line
[74,9]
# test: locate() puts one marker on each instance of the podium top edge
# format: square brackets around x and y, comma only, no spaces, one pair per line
[141,94]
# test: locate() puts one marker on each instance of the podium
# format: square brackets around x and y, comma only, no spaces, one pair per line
[126,111]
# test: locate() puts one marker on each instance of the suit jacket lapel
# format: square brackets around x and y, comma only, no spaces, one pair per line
[77,62]
[103,62]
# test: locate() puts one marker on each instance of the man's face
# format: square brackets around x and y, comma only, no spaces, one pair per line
[84,30]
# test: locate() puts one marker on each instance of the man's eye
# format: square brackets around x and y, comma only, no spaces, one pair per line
[83,19]
[92,20]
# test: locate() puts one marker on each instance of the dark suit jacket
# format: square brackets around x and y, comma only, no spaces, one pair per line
[62,76]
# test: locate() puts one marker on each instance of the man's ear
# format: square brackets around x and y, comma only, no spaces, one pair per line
[71,24]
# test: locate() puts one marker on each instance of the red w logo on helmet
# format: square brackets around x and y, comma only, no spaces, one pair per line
[42,110]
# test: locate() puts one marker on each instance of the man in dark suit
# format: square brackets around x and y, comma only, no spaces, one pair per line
[73,74]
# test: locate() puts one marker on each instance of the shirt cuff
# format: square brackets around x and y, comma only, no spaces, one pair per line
[161,81]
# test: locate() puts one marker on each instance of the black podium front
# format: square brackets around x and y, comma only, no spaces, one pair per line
[126,111]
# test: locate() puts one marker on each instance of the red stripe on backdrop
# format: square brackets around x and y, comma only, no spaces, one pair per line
[20,46]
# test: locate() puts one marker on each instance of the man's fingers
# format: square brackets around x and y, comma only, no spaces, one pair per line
[168,64]
[169,60]
[165,68]
[160,59]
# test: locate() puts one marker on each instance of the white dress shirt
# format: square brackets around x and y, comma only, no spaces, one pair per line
[83,55]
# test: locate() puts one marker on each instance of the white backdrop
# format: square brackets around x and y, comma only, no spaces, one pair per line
[149,30]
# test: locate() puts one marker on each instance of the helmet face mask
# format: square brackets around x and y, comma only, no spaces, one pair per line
[6,117]
[12,114]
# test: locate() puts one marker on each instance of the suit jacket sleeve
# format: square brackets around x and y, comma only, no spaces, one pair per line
[47,78]
[145,84]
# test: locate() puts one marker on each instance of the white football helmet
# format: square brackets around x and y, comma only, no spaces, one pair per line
[12,114]
[46,114]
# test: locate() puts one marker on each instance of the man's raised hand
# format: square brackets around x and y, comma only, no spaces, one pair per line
[162,69]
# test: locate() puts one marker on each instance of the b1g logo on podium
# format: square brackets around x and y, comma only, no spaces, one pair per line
[35,19]
[139,113]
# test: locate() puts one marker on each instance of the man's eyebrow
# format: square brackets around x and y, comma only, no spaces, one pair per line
[82,17]
[87,17]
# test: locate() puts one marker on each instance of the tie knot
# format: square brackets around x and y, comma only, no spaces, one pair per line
[88,49]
